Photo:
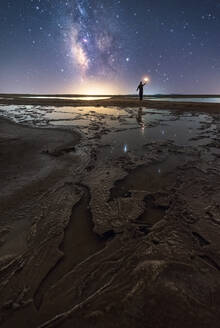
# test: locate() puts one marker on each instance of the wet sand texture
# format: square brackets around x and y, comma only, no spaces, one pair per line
[96,234]
[119,101]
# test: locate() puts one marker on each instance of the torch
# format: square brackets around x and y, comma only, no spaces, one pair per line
[147,79]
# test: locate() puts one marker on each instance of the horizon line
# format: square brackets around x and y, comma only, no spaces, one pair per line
[109,95]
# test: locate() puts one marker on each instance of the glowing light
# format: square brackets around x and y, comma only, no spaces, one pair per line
[91,87]
[125,148]
[146,79]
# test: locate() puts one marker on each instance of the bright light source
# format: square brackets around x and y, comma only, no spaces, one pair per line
[146,79]
[91,87]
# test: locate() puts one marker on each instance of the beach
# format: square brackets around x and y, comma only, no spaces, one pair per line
[109,213]
[119,101]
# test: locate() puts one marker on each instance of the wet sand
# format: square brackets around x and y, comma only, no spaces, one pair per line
[112,220]
[119,101]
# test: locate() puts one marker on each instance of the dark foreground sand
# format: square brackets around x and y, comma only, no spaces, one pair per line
[100,242]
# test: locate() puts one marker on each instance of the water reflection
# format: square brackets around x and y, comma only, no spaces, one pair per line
[186,99]
[139,117]
[71,115]
[125,148]
[140,120]
[118,127]
[68,98]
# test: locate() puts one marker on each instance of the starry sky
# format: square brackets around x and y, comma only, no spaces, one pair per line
[108,46]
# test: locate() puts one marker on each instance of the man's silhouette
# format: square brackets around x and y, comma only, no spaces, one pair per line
[141,90]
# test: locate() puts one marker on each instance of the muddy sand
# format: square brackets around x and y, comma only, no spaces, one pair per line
[110,215]
[119,101]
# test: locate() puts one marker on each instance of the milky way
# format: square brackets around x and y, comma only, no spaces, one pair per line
[71,45]
[94,37]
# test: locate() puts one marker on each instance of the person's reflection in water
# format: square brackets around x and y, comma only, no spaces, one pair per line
[139,117]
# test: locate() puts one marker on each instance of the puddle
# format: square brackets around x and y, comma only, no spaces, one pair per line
[91,110]
[68,98]
[187,99]
[75,123]
[134,139]
[148,179]
[124,130]
[37,114]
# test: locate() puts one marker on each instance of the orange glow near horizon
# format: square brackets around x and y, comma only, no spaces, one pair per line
[96,88]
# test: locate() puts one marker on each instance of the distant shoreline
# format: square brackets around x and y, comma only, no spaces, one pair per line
[119,101]
[159,95]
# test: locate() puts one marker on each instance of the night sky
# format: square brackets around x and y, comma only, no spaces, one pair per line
[107,46]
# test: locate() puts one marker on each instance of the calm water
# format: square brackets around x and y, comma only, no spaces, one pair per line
[68,98]
[123,132]
[133,127]
[203,100]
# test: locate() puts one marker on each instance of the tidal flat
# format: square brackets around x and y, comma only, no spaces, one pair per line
[110,213]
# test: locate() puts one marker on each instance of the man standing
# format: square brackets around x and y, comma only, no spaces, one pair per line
[141,90]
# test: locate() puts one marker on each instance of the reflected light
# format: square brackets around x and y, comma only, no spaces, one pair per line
[125,148]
